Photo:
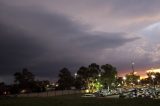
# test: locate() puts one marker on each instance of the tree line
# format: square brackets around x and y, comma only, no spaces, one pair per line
[93,77]
[90,77]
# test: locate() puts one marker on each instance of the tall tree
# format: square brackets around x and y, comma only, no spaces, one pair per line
[84,73]
[82,77]
[66,80]
[108,75]
[88,75]
[24,79]
[155,80]
[94,70]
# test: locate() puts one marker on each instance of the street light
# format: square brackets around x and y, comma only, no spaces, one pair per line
[133,73]
[138,81]
[99,75]
[124,79]
[133,67]
[75,75]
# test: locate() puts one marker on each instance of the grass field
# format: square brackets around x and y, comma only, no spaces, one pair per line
[76,100]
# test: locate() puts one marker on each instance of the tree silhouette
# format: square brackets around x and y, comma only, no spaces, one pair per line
[66,80]
[156,79]
[108,75]
[87,75]
[24,79]
[82,77]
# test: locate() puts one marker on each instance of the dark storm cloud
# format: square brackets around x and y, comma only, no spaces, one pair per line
[46,42]
[106,40]
[17,50]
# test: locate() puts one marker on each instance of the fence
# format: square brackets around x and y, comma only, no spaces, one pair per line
[51,93]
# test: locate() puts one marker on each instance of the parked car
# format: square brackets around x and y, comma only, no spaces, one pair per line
[88,95]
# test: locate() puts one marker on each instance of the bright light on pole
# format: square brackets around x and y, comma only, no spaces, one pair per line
[99,75]
[75,75]
[124,78]
[138,81]
[133,68]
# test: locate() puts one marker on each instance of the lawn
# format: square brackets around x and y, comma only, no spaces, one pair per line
[75,100]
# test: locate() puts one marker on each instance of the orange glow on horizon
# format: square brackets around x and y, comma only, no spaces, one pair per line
[154,70]
[141,72]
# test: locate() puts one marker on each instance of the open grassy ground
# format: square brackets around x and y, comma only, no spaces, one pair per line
[76,100]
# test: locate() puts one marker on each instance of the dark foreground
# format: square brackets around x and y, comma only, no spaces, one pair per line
[76,100]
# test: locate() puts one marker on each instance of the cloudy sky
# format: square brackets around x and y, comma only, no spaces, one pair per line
[46,35]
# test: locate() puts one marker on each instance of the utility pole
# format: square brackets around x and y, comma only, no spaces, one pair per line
[133,68]
[132,73]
